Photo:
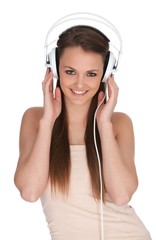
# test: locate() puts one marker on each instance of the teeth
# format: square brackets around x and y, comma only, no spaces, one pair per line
[78,92]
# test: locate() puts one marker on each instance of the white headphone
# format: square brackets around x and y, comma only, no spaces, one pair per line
[85,19]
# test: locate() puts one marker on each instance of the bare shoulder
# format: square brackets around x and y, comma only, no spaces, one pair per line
[121,123]
[32,116]
[29,129]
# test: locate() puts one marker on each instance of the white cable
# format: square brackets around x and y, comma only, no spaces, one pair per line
[100,172]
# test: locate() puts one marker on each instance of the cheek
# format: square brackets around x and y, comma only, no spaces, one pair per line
[95,85]
[64,83]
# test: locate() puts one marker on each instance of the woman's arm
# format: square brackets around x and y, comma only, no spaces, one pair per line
[118,158]
[33,166]
[32,171]
[117,140]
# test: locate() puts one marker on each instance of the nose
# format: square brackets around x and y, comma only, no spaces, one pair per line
[80,81]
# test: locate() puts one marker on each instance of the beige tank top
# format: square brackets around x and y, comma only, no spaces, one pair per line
[77,215]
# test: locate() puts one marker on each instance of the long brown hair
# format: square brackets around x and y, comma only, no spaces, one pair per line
[89,39]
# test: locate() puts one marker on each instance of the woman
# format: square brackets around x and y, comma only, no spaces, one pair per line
[58,162]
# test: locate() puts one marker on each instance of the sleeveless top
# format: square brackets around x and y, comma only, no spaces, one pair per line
[77,215]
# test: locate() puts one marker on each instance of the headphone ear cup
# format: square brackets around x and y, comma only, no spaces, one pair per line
[53,62]
[110,66]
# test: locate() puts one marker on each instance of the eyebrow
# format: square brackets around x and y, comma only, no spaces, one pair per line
[92,70]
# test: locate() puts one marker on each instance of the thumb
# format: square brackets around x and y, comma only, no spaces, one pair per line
[58,94]
[100,97]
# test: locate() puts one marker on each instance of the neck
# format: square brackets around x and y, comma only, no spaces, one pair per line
[77,120]
[77,114]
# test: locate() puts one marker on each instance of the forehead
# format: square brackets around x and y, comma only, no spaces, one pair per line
[77,55]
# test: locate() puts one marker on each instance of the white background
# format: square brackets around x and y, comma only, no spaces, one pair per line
[23,27]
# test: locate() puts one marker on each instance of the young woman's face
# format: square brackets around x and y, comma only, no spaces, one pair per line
[80,74]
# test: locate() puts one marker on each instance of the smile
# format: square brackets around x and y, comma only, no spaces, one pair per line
[77,92]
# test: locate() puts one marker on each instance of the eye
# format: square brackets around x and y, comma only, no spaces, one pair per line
[91,74]
[70,72]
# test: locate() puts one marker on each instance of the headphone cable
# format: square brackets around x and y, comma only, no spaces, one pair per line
[100,171]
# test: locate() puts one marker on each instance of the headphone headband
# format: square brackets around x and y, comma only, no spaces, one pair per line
[88,20]
[85,18]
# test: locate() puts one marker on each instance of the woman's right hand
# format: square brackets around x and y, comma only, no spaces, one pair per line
[52,105]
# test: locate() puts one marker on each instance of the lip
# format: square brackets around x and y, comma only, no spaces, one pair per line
[78,92]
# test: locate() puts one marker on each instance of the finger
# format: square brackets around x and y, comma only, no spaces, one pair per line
[47,83]
[112,89]
[58,94]
[111,82]
[112,76]
[47,72]
[47,75]
[49,80]
[100,97]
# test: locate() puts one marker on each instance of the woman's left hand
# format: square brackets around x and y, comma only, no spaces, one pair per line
[106,110]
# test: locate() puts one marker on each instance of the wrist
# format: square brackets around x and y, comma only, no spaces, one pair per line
[105,126]
[46,123]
